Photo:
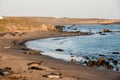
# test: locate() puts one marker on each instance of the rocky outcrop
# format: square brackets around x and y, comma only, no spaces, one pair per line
[59,27]
[106,30]
[41,27]
[51,27]
[101,63]
[24,25]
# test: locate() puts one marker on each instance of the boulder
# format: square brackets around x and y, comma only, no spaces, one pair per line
[92,63]
[102,60]
[106,30]
[110,67]
[115,62]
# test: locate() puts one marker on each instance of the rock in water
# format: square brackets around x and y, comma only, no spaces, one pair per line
[59,49]
[115,52]
[115,62]
[106,30]
[101,60]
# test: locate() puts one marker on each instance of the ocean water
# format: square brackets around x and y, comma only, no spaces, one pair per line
[76,47]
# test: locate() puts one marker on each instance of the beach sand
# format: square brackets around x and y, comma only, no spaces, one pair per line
[12,55]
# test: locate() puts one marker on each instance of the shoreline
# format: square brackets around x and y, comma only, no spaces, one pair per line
[70,71]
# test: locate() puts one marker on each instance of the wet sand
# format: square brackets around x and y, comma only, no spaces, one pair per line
[12,55]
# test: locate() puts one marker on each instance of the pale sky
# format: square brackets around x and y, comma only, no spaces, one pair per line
[109,9]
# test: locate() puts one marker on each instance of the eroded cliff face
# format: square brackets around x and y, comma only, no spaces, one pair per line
[24,25]
[42,27]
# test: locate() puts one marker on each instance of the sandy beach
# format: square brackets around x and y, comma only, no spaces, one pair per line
[12,56]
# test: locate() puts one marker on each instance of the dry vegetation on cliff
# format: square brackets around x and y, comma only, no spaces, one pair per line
[23,24]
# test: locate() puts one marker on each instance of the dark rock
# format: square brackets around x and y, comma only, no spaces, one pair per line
[59,50]
[110,67]
[59,27]
[106,63]
[103,34]
[117,69]
[101,55]
[115,52]
[75,28]
[86,57]
[110,59]
[115,62]
[100,32]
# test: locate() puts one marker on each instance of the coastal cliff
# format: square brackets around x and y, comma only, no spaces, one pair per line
[12,24]
[46,23]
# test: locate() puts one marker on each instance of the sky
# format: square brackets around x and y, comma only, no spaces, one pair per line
[108,9]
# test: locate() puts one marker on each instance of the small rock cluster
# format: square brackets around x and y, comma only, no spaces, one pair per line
[100,62]
[105,31]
